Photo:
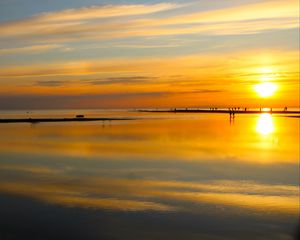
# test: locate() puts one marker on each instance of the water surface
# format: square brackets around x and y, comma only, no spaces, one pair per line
[161,176]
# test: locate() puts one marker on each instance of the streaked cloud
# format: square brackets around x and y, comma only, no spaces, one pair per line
[50,83]
[120,80]
[84,23]
[229,75]
[113,99]
[271,9]
[30,49]
[96,12]
[76,20]
[249,62]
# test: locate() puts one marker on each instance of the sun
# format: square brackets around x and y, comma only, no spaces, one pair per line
[265,89]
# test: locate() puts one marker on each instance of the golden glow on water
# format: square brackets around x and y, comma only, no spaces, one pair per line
[164,140]
[155,164]
[265,125]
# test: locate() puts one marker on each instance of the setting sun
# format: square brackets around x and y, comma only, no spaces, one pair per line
[265,89]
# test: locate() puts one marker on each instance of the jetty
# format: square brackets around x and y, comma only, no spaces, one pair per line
[228,111]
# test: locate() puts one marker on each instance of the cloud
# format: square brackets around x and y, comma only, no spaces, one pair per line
[120,80]
[58,101]
[29,49]
[95,12]
[113,99]
[87,23]
[273,9]
[50,83]
[206,91]
[148,82]
[63,21]
[138,69]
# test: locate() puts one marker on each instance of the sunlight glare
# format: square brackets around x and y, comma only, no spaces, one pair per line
[265,124]
[265,89]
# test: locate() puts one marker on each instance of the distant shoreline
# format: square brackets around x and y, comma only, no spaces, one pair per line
[40,120]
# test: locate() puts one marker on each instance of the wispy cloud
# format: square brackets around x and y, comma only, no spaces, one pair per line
[272,9]
[57,101]
[133,69]
[96,12]
[88,24]
[30,49]
[64,21]
[50,83]
[120,80]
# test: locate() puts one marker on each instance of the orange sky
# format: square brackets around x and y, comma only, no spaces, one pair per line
[180,54]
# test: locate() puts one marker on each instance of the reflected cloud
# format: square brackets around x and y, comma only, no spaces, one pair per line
[160,165]
[171,165]
[154,195]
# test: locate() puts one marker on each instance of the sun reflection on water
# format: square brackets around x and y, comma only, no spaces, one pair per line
[265,125]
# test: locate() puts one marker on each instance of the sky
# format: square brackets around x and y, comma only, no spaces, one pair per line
[148,54]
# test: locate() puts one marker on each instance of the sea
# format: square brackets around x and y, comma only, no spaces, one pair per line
[153,176]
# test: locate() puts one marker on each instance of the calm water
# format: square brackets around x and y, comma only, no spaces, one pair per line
[161,176]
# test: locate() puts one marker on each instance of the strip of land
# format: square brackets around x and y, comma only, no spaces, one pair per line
[40,120]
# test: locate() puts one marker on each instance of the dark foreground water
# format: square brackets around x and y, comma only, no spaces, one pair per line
[162,176]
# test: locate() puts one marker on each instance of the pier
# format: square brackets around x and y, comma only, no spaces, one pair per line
[229,111]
